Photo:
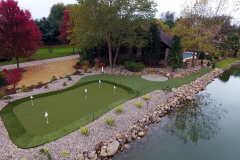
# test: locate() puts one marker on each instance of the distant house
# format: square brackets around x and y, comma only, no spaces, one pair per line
[166,41]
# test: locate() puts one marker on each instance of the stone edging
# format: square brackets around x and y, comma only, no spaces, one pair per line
[138,130]
[158,71]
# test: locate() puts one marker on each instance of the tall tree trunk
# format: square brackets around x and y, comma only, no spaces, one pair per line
[17,63]
[198,54]
[109,50]
[119,44]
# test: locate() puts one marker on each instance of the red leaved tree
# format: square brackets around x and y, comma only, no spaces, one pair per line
[65,28]
[12,78]
[19,36]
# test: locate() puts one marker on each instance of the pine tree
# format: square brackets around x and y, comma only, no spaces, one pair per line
[175,58]
[151,53]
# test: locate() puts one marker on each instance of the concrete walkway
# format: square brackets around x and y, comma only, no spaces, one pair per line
[33,63]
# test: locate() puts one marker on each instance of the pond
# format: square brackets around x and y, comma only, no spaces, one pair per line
[207,128]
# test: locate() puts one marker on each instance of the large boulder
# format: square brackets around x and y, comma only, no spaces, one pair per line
[112,148]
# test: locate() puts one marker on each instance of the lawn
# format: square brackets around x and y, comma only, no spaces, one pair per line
[68,108]
[226,62]
[42,53]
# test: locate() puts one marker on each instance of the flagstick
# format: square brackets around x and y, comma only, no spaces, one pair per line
[47,120]
[32,102]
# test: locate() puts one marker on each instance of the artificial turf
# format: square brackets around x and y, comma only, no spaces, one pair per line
[27,127]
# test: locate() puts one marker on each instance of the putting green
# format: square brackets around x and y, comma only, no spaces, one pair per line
[67,110]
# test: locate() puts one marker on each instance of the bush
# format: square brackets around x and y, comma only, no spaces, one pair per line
[208,64]
[84,131]
[223,53]
[39,83]
[146,97]
[202,55]
[26,90]
[96,66]
[209,57]
[213,66]
[6,98]
[119,109]
[33,86]
[79,63]
[64,83]
[139,104]
[2,93]
[2,80]
[185,65]
[201,62]
[216,57]
[61,77]
[133,66]
[69,78]
[45,151]
[107,62]
[85,67]
[64,153]
[46,86]
[110,121]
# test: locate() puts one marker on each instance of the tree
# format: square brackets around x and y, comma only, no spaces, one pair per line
[49,29]
[163,27]
[111,21]
[152,50]
[232,42]
[168,18]
[19,36]
[175,57]
[12,78]
[56,12]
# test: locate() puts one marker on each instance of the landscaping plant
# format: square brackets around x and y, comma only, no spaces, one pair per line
[64,83]
[2,93]
[208,64]
[39,83]
[146,97]
[33,86]
[84,131]
[12,78]
[133,66]
[69,78]
[139,104]
[119,109]
[201,62]
[45,152]
[6,98]
[96,66]
[110,121]
[46,86]
[64,153]
[213,66]
[85,67]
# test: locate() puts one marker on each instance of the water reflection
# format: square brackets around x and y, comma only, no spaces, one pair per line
[196,120]
[235,72]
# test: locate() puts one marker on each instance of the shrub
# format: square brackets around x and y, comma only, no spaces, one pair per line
[209,57]
[26,90]
[2,80]
[64,83]
[46,86]
[5,89]
[202,55]
[33,86]
[110,121]
[39,83]
[213,66]
[64,153]
[85,67]
[69,78]
[54,78]
[139,104]
[167,89]
[84,131]
[185,65]
[107,62]
[96,66]
[79,63]
[45,151]
[61,77]
[223,53]
[119,109]
[201,62]
[6,98]
[159,96]
[208,64]
[133,66]
[2,93]
[216,57]
[146,97]
[12,78]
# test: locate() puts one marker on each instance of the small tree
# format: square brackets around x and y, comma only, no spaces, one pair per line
[12,78]
[233,43]
[175,58]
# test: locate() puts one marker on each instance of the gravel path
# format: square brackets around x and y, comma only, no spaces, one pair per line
[154,77]
[75,142]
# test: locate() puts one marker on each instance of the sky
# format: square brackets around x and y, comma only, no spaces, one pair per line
[41,8]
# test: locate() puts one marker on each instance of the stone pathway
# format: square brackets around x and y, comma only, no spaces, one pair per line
[154,77]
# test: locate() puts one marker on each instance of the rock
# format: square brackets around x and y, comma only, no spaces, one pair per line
[67,75]
[141,134]
[126,146]
[129,138]
[134,136]
[85,154]
[105,144]
[80,157]
[112,148]
[119,136]
[189,98]
[98,146]
[103,153]
[92,155]
[168,75]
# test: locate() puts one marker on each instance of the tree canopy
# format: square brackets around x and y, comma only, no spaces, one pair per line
[56,12]
[111,21]
[19,36]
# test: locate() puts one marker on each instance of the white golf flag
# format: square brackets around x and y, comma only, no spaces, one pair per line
[46,114]
[99,81]
[31,97]
[85,90]
[114,87]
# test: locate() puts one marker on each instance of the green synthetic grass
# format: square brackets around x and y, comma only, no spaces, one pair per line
[226,62]
[142,86]
[42,53]
[67,110]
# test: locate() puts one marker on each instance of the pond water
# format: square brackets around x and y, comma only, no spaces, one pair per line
[207,128]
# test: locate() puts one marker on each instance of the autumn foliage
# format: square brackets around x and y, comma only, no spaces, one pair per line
[19,36]
[12,78]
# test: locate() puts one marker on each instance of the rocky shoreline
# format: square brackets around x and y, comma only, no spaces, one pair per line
[131,124]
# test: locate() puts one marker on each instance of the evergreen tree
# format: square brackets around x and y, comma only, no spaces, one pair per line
[175,57]
[151,53]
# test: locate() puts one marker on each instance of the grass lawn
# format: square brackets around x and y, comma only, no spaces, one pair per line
[68,109]
[42,53]
[226,62]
